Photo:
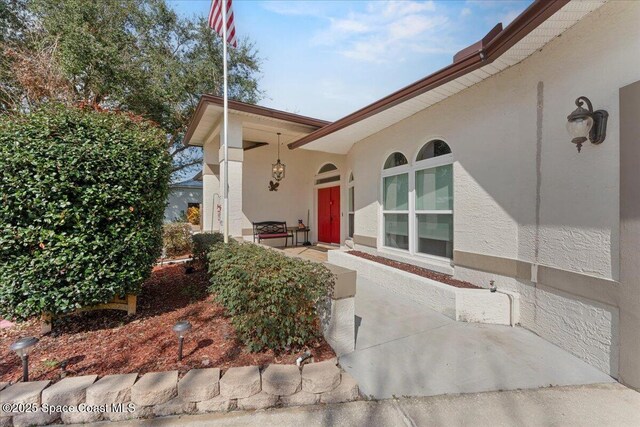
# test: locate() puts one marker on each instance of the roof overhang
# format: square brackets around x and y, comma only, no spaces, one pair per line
[259,123]
[501,48]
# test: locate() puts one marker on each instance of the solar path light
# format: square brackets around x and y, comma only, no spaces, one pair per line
[22,348]
[181,329]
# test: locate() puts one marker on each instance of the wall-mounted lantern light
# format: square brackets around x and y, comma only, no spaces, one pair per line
[181,329]
[586,124]
[22,347]
[278,168]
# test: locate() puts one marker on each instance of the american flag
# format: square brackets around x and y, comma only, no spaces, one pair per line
[215,21]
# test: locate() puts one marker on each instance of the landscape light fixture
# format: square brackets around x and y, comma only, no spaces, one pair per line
[585,124]
[278,168]
[22,348]
[181,329]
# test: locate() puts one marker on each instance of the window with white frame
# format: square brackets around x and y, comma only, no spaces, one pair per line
[327,173]
[434,200]
[425,216]
[351,211]
[395,204]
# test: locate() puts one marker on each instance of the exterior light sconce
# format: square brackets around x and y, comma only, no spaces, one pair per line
[586,124]
[22,348]
[278,168]
[181,329]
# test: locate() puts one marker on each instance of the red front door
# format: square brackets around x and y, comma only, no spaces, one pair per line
[329,215]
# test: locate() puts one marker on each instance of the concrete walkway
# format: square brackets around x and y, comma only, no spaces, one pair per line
[316,253]
[600,405]
[406,349]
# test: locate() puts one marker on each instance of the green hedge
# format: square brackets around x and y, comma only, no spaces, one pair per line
[202,243]
[274,301]
[83,195]
[176,238]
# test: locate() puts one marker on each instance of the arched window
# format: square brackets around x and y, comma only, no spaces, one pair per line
[426,225]
[327,173]
[432,149]
[328,168]
[433,185]
[394,160]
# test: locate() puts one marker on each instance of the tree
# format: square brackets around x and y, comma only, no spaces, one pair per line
[132,55]
[12,25]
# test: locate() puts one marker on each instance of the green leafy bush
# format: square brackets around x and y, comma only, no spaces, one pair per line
[83,194]
[202,243]
[176,237]
[274,301]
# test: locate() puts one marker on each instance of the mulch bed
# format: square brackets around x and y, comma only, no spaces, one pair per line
[429,274]
[110,342]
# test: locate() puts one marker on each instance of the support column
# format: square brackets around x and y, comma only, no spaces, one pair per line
[236,156]
[211,191]
[629,235]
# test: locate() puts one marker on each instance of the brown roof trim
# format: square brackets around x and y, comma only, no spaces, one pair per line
[478,46]
[248,108]
[490,49]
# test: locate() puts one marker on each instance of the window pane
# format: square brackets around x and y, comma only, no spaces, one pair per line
[433,149]
[435,234]
[351,195]
[330,179]
[395,159]
[396,231]
[351,224]
[434,188]
[396,193]
[328,167]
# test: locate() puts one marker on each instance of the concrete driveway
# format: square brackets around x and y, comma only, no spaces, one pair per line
[406,349]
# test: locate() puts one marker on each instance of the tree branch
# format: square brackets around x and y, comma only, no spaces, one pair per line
[177,168]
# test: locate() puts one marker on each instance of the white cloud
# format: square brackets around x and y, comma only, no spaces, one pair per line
[295,8]
[370,51]
[412,26]
[385,31]
[349,26]
[465,11]
[401,8]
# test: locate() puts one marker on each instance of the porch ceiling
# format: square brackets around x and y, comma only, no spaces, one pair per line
[341,135]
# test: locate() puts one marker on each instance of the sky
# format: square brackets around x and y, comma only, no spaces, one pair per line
[326,59]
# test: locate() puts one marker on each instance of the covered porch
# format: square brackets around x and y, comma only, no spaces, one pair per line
[313,189]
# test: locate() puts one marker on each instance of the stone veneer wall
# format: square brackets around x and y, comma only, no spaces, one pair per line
[156,394]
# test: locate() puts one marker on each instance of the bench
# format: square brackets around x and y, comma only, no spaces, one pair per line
[272,230]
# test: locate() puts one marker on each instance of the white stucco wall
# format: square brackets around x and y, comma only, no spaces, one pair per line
[178,201]
[492,129]
[296,193]
[586,328]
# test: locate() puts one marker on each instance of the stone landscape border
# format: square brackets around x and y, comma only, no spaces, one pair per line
[156,394]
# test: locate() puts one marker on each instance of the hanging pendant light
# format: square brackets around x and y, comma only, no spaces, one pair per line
[278,168]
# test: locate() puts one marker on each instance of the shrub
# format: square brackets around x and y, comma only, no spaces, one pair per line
[176,237]
[202,243]
[274,301]
[83,195]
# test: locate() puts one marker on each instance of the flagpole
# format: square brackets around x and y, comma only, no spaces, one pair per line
[225,114]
